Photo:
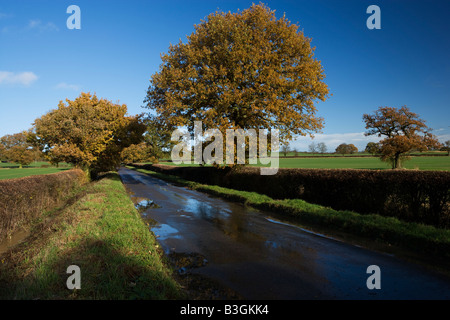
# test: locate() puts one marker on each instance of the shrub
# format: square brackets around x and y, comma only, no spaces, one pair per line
[24,199]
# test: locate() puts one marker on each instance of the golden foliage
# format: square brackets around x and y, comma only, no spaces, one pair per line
[87,132]
[404,132]
[16,148]
[244,70]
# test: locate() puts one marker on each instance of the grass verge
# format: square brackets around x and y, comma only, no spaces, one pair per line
[102,233]
[419,238]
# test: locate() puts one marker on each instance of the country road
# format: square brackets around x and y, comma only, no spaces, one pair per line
[261,257]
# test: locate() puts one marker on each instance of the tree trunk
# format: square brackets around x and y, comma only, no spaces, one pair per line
[396,164]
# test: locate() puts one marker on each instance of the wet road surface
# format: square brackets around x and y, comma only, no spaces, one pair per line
[263,258]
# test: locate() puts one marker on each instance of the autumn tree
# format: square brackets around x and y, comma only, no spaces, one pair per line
[244,70]
[373,148]
[17,149]
[87,132]
[158,138]
[403,130]
[136,153]
[344,148]
[2,152]
[352,148]
[153,147]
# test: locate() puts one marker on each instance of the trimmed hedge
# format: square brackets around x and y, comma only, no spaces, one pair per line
[410,195]
[24,199]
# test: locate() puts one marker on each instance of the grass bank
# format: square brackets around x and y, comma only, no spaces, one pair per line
[101,232]
[419,238]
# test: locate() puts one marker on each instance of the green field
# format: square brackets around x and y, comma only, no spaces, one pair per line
[12,170]
[420,163]
[309,154]
[327,162]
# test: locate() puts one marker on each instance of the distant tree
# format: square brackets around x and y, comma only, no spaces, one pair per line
[312,147]
[322,147]
[17,149]
[244,70]
[2,152]
[135,153]
[446,147]
[87,132]
[295,151]
[342,149]
[372,148]
[158,138]
[403,130]
[351,148]
[285,149]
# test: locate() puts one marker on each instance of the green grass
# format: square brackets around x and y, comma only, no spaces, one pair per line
[12,170]
[328,162]
[419,238]
[34,164]
[420,163]
[103,234]
[25,172]
[308,154]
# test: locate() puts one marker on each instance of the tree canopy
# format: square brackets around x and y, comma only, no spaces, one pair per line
[446,147]
[344,148]
[373,148]
[16,148]
[403,130]
[87,132]
[244,70]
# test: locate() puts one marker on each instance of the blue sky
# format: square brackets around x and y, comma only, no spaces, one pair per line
[118,48]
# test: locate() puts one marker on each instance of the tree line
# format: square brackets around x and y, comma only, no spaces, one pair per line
[244,70]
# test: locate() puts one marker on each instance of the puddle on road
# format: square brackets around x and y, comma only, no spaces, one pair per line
[164,231]
[143,204]
[185,262]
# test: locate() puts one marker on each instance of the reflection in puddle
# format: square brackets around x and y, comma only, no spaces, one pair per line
[271,244]
[143,204]
[164,231]
[205,211]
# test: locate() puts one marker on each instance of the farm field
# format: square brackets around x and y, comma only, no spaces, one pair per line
[12,171]
[421,163]
[364,154]
[328,162]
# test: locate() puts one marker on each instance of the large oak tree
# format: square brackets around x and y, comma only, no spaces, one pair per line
[403,130]
[88,132]
[244,70]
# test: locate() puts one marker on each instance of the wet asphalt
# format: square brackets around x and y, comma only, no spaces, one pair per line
[261,257]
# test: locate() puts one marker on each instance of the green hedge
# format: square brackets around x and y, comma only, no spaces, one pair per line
[410,195]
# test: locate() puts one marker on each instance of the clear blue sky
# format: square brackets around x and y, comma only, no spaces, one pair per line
[118,48]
